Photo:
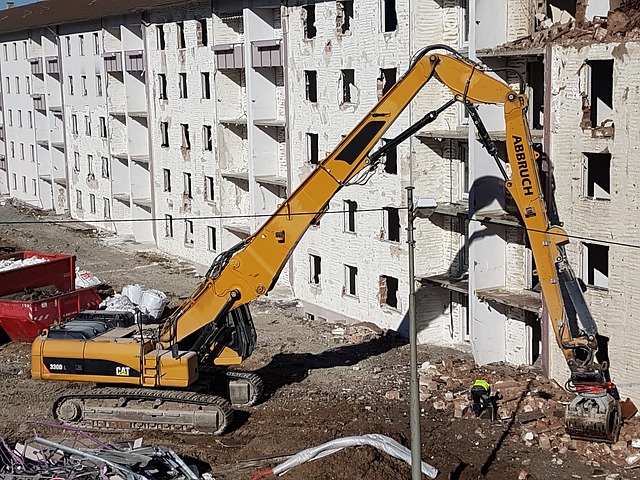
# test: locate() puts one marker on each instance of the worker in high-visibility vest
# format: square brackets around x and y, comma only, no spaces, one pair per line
[482,399]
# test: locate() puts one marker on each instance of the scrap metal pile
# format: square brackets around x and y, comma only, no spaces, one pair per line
[86,457]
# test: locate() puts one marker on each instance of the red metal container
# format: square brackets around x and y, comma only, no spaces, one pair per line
[59,270]
[22,319]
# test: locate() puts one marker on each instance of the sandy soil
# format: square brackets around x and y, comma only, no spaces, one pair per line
[319,387]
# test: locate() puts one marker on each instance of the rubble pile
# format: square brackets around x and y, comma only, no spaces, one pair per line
[531,405]
[85,457]
[359,332]
[621,23]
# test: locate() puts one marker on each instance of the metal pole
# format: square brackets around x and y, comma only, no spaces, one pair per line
[416,457]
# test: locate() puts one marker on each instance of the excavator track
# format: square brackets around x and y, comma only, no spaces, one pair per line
[119,409]
[240,388]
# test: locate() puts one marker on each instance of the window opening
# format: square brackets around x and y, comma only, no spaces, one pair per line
[597,175]
[311,85]
[309,19]
[391,224]
[350,207]
[312,148]
[389,291]
[315,269]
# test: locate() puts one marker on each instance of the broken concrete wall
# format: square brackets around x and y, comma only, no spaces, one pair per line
[607,220]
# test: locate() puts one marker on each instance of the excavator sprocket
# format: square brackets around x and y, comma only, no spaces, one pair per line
[119,409]
[594,418]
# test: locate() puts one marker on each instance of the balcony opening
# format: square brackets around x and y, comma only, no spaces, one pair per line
[182,79]
[209,189]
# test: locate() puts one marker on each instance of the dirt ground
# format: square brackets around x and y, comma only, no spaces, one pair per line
[319,386]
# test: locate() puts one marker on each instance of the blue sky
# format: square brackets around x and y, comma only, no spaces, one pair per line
[3,3]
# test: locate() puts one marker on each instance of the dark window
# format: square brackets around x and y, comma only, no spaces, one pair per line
[160,30]
[312,148]
[392,224]
[166,174]
[168,225]
[597,182]
[348,82]
[206,85]
[209,185]
[386,80]
[182,86]
[162,85]
[344,15]
[314,269]
[389,291]
[391,161]
[186,178]
[181,40]
[311,85]
[600,91]
[309,19]
[202,32]
[207,138]
[351,280]
[186,141]
[390,18]
[596,265]
[350,208]
[164,132]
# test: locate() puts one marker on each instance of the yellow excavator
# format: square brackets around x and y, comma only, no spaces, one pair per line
[176,377]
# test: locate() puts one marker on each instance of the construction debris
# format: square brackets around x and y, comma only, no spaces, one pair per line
[532,406]
[86,458]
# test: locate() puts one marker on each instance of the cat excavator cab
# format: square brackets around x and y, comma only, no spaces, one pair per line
[176,377]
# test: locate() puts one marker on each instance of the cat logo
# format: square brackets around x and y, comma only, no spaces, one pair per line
[122,371]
